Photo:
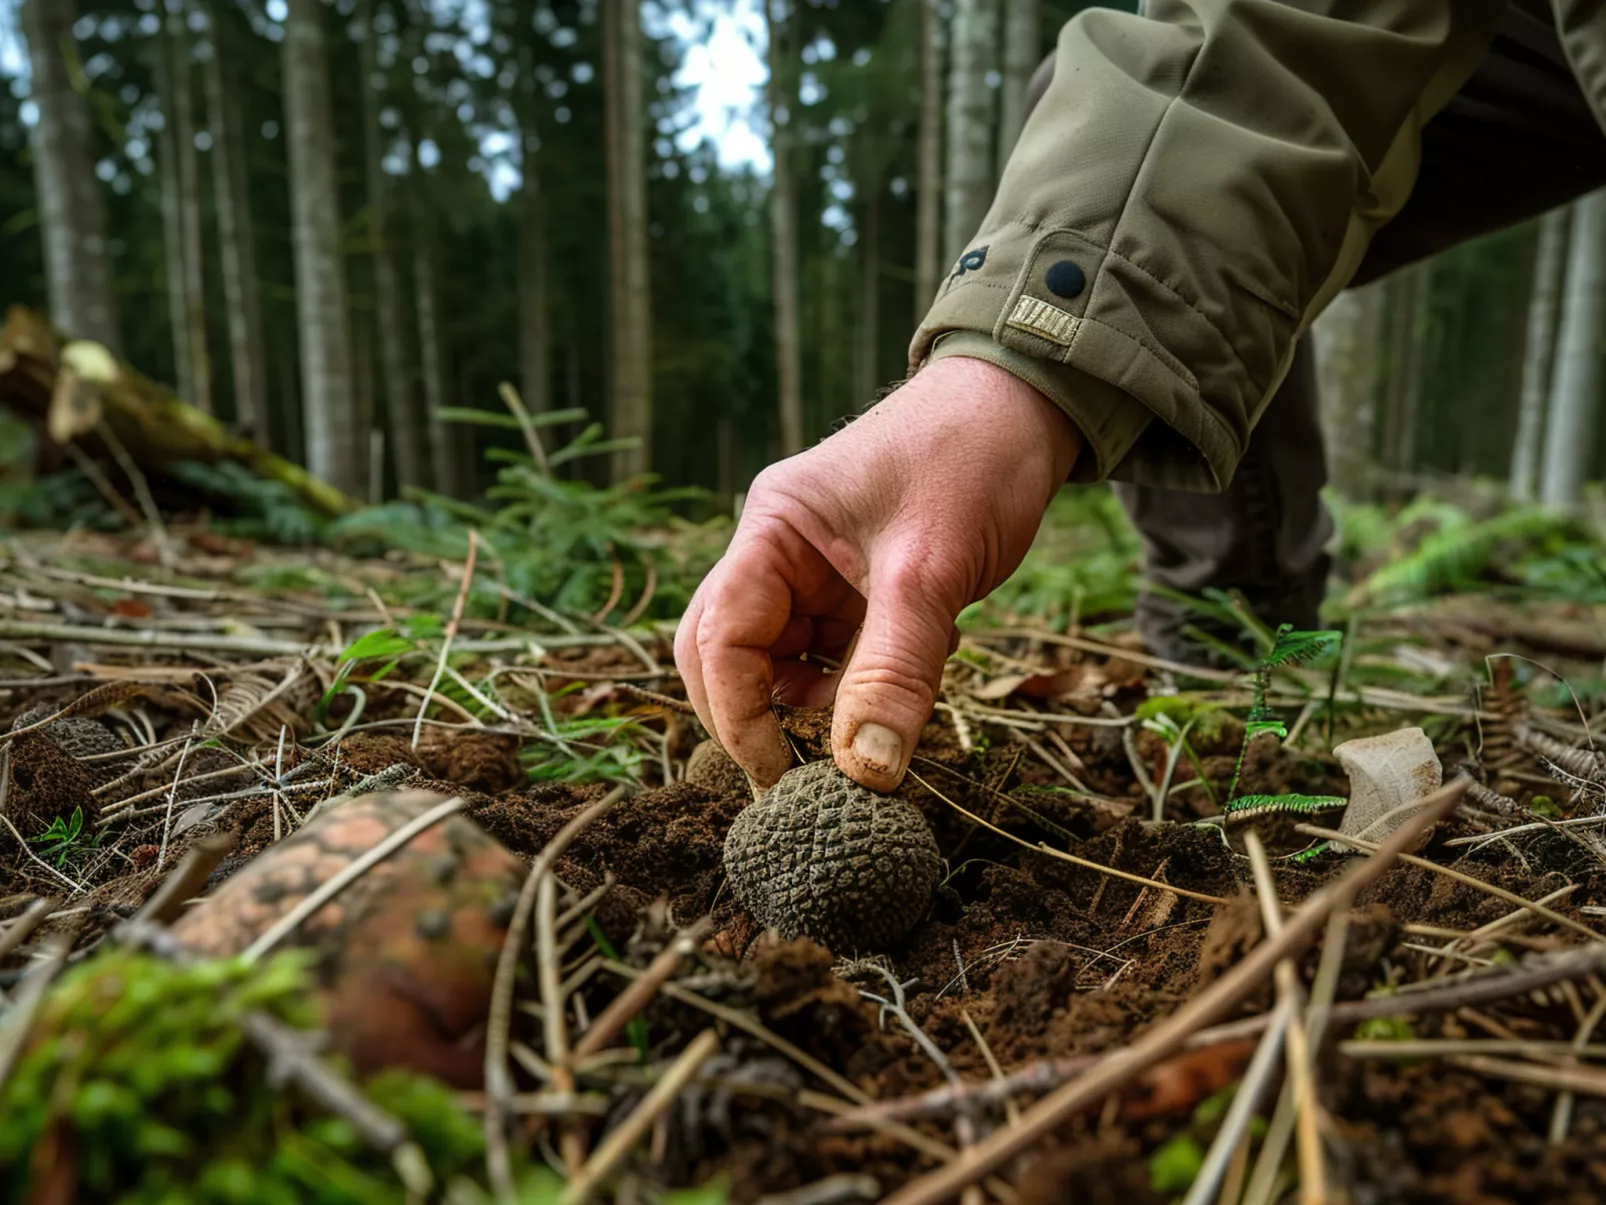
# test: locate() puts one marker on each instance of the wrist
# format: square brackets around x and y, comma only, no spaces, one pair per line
[1000,402]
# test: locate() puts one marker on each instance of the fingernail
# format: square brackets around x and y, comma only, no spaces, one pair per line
[879,747]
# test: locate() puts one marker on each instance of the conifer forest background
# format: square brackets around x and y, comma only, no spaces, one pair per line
[326,222]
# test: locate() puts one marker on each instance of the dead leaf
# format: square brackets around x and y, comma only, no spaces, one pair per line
[1386,773]
[1033,686]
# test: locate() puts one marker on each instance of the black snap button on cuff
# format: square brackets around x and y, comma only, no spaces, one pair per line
[1066,279]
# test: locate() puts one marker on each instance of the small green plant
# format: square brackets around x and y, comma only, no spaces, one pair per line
[65,840]
[258,507]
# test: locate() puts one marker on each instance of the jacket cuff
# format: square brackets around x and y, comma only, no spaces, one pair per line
[1110,422]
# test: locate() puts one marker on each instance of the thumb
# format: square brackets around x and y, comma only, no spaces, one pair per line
[889,685]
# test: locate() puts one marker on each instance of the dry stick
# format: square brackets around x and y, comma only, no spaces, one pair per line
[1537,909]
[172,795]
[1044,848]
[451,628]
[1170,1035]
[1423,1048]
[1311,1178]
[1235,1125]
[22,928]
[624,1007]
[554,1021]
[142,493]
[349,874]
[1011,1109]
[253,646]
[498,1080]
[188,877]
[617,1144]
[1590,1081]
[1561,1115]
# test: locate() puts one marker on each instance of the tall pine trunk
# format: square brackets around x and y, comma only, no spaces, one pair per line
[1023,50]
[404,425]
[869,375]
[78,276]
[172,203]
[970,123]
[431,360]
[1348,336]
[1576,391]
[1539,352]
[182,114]
[237,255]
[336,444]
[928,197]
[783,236]
[1408,293]
[535,317]
[630,299]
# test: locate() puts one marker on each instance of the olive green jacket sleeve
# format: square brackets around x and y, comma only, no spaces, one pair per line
[1194,187]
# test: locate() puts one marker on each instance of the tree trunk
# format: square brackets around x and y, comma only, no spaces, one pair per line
[1576,392]
[1406,291]
[182,113]
[970,124]
[629,286]
[403,423]
[1539,352]
[172,196]
[336,445]
[238,258]
[1023,50]
[783,236]
[1348,338]
[78,275]
[431,362]
[869,376]
[535,321]
[928,199]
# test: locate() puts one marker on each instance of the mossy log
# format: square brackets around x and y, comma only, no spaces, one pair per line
[66,389]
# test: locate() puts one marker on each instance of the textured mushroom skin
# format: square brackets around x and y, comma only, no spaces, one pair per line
[820,856]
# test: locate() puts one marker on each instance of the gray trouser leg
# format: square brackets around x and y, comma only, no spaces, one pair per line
[1262,536]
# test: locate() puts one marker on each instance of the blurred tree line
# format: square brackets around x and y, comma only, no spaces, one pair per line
[327,220]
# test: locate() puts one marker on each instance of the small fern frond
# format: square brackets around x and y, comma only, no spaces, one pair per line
[1249,806]
[1299,648]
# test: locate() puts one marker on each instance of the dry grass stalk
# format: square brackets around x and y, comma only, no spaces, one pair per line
[22,928]
[624,1007]
[1060,855]
[498,1080]
[617,1144]
[1312,1180]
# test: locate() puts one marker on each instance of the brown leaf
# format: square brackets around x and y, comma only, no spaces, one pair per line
[1035,686]
[1179,1084]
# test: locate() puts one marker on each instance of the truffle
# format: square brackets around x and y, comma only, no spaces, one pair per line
[820,856]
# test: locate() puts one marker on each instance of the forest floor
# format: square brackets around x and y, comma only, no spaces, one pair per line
[1088,900]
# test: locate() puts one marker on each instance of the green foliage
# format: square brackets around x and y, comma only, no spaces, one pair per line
[556,541]
[1289,648]
[1245,806]
[1175,1164]
[138,1073]
[65,840]
[1385,1029]
[1083,565]
[60,501]
[1206,716]
[258,508]
[1460,550]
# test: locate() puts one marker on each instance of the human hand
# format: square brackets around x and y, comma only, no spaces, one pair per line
[889,528]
